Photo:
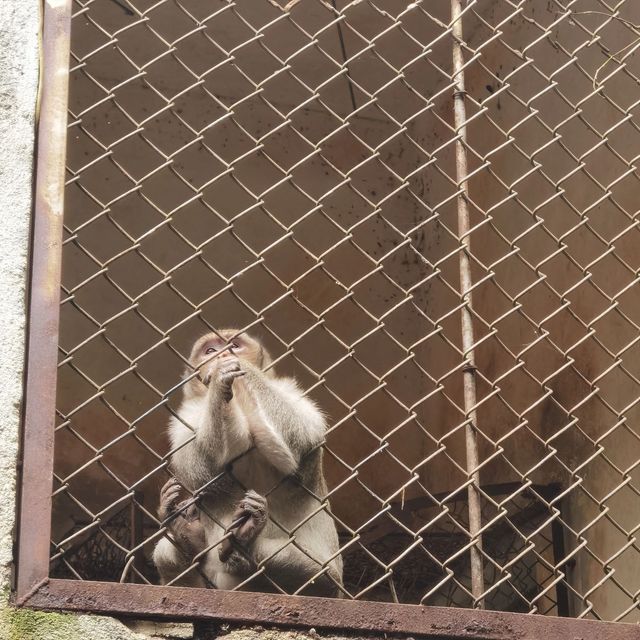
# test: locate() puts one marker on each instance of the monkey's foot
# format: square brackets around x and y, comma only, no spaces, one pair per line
[252,510]
[186,527]
[169,495]
[223,372]
[247,522]
[188,530]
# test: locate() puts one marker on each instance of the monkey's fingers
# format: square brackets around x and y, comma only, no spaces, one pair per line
[250,509]
[171,482]
[239,518]
[230,376]
[230,364]
[218,368]
[252,513]
[226,381]
[254,503]
[212,371]
[169,495]
[250,494]
[248,531]
[164,512]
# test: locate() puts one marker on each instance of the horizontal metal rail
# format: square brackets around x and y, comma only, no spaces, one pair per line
[180,603]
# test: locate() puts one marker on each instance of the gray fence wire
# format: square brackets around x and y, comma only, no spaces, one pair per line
[428,213]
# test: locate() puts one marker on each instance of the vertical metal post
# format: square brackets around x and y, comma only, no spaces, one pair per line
[42,350]
[469,373]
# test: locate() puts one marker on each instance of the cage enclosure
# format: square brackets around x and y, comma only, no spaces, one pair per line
[301,172]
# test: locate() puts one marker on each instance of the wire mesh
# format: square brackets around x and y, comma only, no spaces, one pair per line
[349,181]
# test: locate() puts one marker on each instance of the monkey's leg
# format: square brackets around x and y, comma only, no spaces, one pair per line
[285,424]
[291,567]
[247,523]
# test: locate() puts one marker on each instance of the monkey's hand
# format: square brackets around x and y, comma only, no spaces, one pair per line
[222,373]
[247,522]
[185,527]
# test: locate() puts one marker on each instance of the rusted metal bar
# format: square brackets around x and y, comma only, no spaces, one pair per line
[326,613]
[42,350]
[469,373]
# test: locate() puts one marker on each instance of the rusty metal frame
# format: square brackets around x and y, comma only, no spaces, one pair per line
[300,611]
[42,346]
[35,589]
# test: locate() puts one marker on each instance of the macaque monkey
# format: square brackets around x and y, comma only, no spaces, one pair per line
[265,432]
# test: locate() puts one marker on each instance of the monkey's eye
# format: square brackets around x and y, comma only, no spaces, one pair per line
[235,345]
[210,350]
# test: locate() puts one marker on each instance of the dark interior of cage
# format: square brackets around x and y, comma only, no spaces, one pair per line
[236,165]
[389,561]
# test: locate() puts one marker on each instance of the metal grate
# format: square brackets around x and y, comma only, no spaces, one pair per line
[428,214]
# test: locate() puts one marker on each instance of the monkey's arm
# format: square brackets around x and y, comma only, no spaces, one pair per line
[221,433]
[284,423]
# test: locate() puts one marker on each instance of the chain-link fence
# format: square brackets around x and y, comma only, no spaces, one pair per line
[427,212]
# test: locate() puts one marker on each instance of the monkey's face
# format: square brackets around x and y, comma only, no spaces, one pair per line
[212,348]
